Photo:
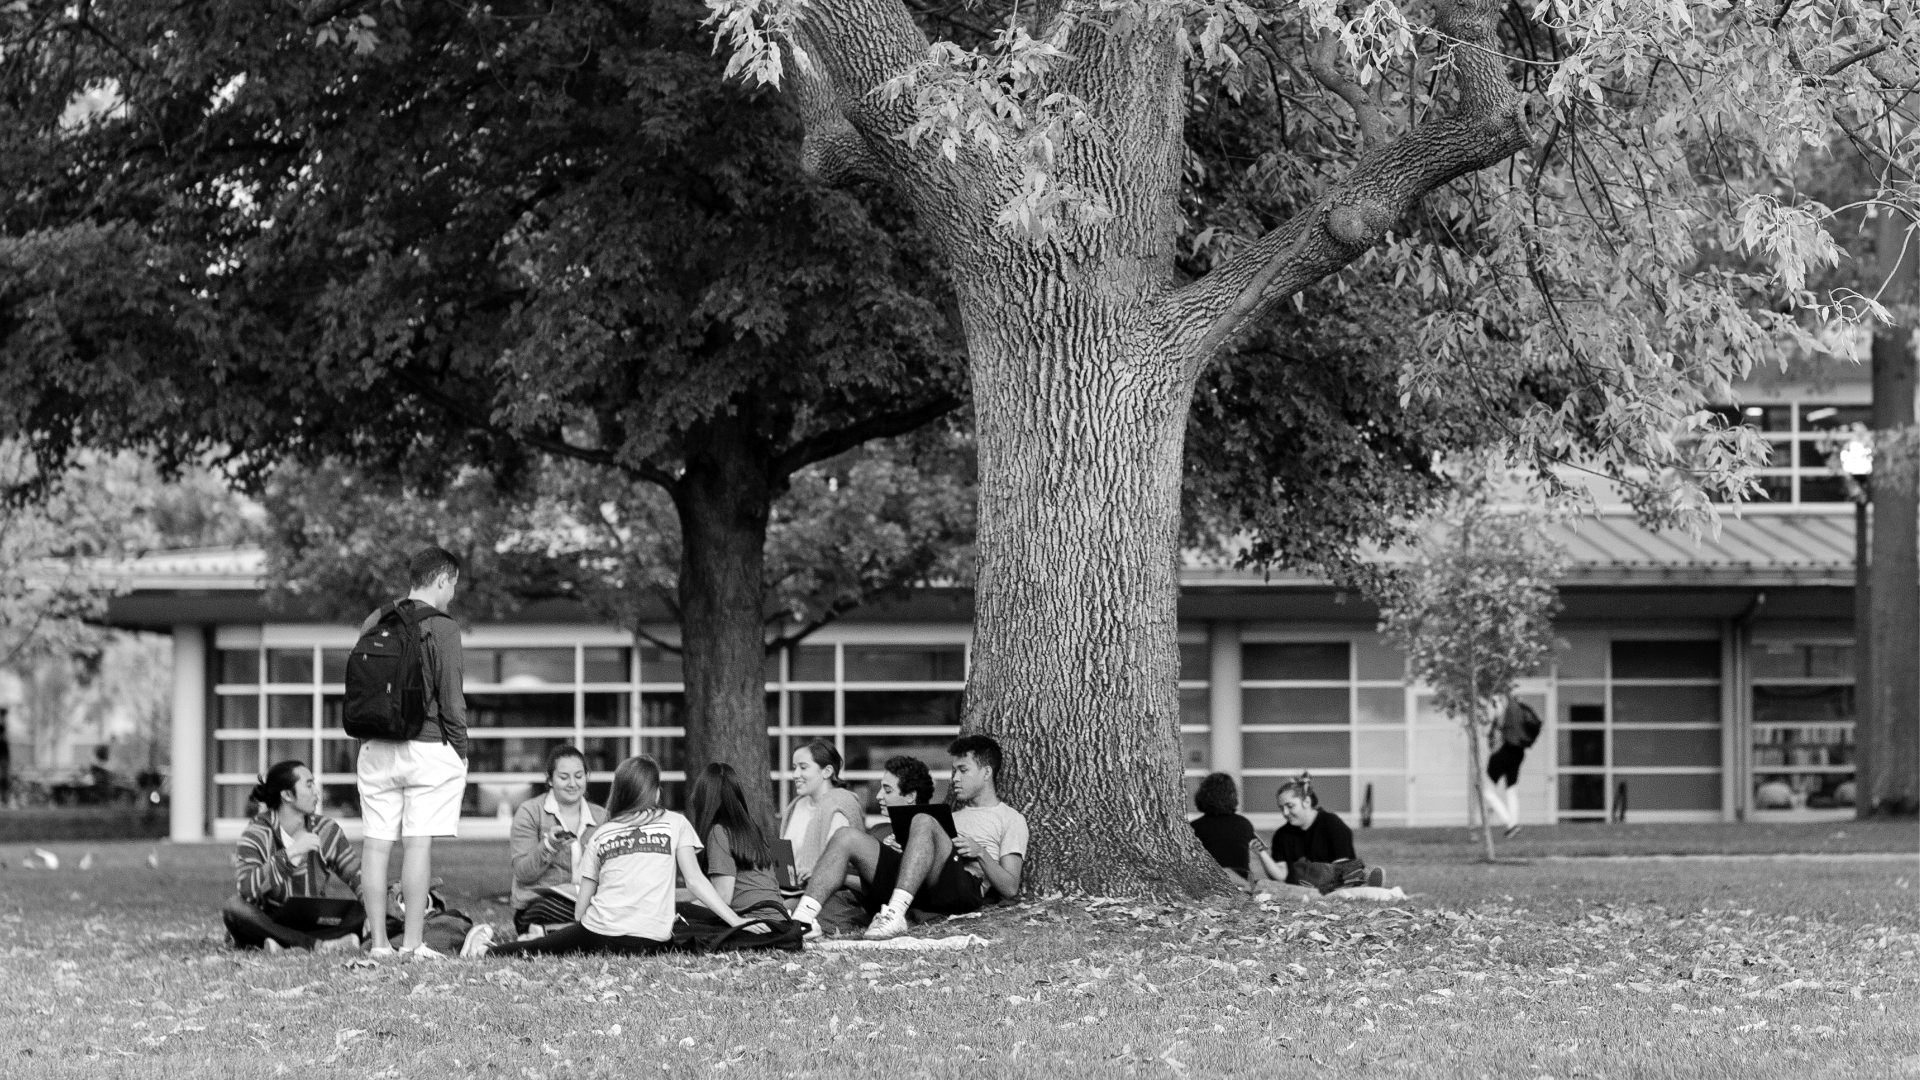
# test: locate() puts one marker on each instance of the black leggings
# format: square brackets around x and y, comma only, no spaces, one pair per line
[579,939]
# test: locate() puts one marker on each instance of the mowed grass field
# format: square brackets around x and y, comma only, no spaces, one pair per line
[1743,967]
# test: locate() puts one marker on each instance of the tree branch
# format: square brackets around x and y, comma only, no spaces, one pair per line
[839,440]
[855,46]
[1486,127]
[1323,60]
[553,444]
[832,149]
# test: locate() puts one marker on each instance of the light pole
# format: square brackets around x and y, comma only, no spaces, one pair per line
[1856,460]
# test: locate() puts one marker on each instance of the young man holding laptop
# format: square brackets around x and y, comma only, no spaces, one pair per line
[948,861]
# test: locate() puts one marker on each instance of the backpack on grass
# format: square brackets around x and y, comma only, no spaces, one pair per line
[387,676]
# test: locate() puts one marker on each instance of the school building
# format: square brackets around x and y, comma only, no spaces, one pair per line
[1708,681]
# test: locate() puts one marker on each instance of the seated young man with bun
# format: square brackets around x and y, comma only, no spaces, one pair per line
[284,859]
[931,871]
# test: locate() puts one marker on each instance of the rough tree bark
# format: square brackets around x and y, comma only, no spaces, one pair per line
[1084,349]
[1887,703]
[724,498]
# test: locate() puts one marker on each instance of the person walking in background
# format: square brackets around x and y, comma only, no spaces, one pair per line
[1226,835]
[406,698]
[288,851]
[822,807]
[548,838]
[1508,739]
[739,853]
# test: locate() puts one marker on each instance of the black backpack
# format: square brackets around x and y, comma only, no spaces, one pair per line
[387,676]
[1529,725]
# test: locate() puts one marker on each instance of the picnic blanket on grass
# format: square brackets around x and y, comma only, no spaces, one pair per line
[908,944]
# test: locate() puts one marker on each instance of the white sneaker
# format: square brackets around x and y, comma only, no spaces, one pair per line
[383,952]
[273,947]
[422,952]
[535,932]
[478,940]
[890,923]
[350,943]
[814,932]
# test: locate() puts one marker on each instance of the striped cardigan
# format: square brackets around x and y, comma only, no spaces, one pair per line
[266,876]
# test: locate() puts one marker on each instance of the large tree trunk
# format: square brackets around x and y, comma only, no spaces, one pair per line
[723,500]
[1888,710]
[1075,670]
[1084,349]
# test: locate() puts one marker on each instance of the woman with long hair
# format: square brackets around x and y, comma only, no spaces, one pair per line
[739,855]
[626,877]
[289,850]
[821,806]
[548,839]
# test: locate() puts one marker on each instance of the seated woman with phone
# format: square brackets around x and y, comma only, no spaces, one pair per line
[549,835]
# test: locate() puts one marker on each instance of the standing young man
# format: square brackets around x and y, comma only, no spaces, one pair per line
[931,871]
[410,791]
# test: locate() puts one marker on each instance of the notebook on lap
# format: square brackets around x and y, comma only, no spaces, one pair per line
[903,817]
[319,914]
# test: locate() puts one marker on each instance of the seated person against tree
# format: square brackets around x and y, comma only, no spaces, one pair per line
[1314,848]
[1226,835]
[626,900]
[289,851]
[932,872]
[549,836]
[904,781]
[739,854]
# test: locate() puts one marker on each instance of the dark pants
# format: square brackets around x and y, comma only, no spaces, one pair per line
[251,927]
[579,939]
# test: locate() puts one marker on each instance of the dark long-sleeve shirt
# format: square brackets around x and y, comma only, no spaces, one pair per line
[1326,840]
[265,875]
[446,679]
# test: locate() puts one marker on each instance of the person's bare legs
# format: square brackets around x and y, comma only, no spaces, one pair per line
[1493,794]
[927,849]
[373,889]
[416,874]
[849,851]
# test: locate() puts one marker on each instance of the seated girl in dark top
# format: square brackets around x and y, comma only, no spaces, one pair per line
[1226,835]
[1314,847]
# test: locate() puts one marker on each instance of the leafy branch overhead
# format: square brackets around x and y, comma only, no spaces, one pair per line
[1649,245]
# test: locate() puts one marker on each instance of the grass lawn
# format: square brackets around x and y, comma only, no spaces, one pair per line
[1580,968]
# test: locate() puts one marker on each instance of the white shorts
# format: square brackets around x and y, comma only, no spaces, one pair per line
[410,789]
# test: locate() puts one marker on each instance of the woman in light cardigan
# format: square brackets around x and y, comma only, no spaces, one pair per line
[548,837]
[823,807]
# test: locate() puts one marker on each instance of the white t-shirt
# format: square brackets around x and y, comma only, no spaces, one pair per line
[1000,830]
[633,863]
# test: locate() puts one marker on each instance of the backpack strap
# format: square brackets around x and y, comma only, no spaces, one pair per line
[414,618]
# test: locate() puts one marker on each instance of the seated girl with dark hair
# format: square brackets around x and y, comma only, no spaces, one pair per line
[739,856]
[1222,831]
[626,900]
[549,835]
[288,851]
[1314,848]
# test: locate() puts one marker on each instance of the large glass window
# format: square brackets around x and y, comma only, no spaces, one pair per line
[1335,709]
[870,700]
[1801,436]
[1639,720]
[1803,725]
[285,701]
